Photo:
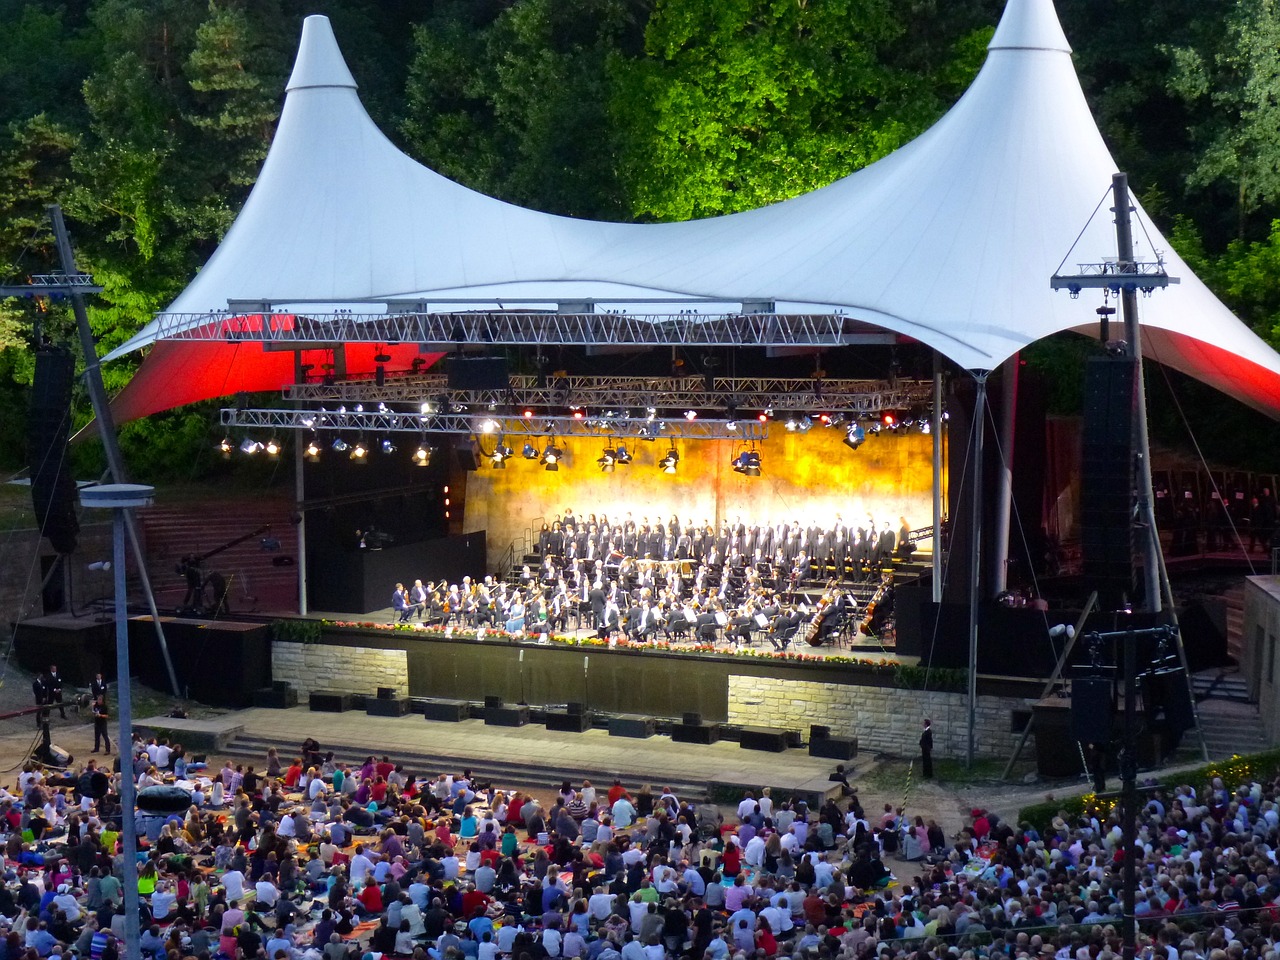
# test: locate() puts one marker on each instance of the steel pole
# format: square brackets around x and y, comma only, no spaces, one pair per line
[124,746]
[975,557]
[1004,492]
[936,434]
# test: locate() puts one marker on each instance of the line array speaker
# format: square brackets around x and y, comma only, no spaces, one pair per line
[53,491]
[1106,482]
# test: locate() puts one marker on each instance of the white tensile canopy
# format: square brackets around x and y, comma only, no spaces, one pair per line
[951,240]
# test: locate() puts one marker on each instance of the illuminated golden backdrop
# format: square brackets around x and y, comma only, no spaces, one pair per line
[804,476]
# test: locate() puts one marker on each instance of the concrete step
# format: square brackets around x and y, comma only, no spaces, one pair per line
[251,747]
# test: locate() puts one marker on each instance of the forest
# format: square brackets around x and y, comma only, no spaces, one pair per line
[148,119]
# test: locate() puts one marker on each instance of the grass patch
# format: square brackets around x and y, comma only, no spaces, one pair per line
[891,774]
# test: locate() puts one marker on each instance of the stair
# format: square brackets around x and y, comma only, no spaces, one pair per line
[1220,685]
[1230,727]
[257,582]
[504,773]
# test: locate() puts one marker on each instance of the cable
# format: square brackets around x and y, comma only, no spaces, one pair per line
[1200,454]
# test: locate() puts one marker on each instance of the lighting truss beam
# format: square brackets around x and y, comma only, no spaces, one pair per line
[518,328]
[373,423]
[1143,275]
[623,393]
[51,284]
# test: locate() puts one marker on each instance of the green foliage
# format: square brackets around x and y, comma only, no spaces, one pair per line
[741,103]
[296,631]
[1234,772]
[514,101]
[913,677]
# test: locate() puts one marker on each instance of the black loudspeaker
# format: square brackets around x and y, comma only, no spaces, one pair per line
[692,719]
[1167,701]
[493,703]
[386,693]
[575,708]
[478,373]
[465,452]
[818,731]
[1091,709]
[53,490]
[1106,480]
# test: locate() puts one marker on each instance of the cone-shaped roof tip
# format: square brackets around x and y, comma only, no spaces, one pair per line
[1029,25]
[319,62]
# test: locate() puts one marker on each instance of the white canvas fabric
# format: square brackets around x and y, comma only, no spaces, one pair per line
[950,240]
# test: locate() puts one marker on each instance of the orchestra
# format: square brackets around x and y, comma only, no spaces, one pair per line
[675,580]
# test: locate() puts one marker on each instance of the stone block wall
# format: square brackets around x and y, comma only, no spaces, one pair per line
[311,667]
[882,718]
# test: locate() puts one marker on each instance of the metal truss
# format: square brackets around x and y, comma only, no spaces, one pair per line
[619,394]
[376,423]
[257,323]
[51,285]
[1113,275]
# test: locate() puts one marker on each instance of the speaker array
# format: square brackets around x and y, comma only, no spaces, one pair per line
[53,490]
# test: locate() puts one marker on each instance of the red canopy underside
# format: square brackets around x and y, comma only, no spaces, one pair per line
[178,372]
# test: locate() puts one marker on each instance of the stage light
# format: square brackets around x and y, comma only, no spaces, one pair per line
[273,447]
[622,455]
[805,424]
[925,427]
[312,452]
[339,445]
[578,412]
[501,454]
[768,412]
[792,424]
[854,437]
[225,448]
[669,463]
[527,414]
[250,446]
[530,452]
[747,463]
[426,407]
[422,456]
[388,446]
[551,457]
[360,453]
[691,414]
[732,426]
[650,413]
[763,417]
[890,421]
[607,460]
[488,426]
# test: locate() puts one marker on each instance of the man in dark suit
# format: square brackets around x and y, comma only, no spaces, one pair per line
[40,691]
[596,598]
[54,681]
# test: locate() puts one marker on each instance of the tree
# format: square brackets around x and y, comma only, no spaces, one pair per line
[741,103]
[514,102]
[1238,136]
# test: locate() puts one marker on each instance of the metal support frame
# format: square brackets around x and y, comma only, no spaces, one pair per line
[482,424]
[106,424]
[452,330]
[1004,479]
[936,432]
[749,395]
[975,557]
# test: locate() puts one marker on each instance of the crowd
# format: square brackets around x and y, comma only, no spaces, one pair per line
[317,860]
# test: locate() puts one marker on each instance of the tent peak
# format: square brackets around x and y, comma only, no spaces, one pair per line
[319,62]
[1029,25]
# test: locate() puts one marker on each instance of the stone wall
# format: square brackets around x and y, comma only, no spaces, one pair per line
[882,718]
[348,669]
[20,570]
